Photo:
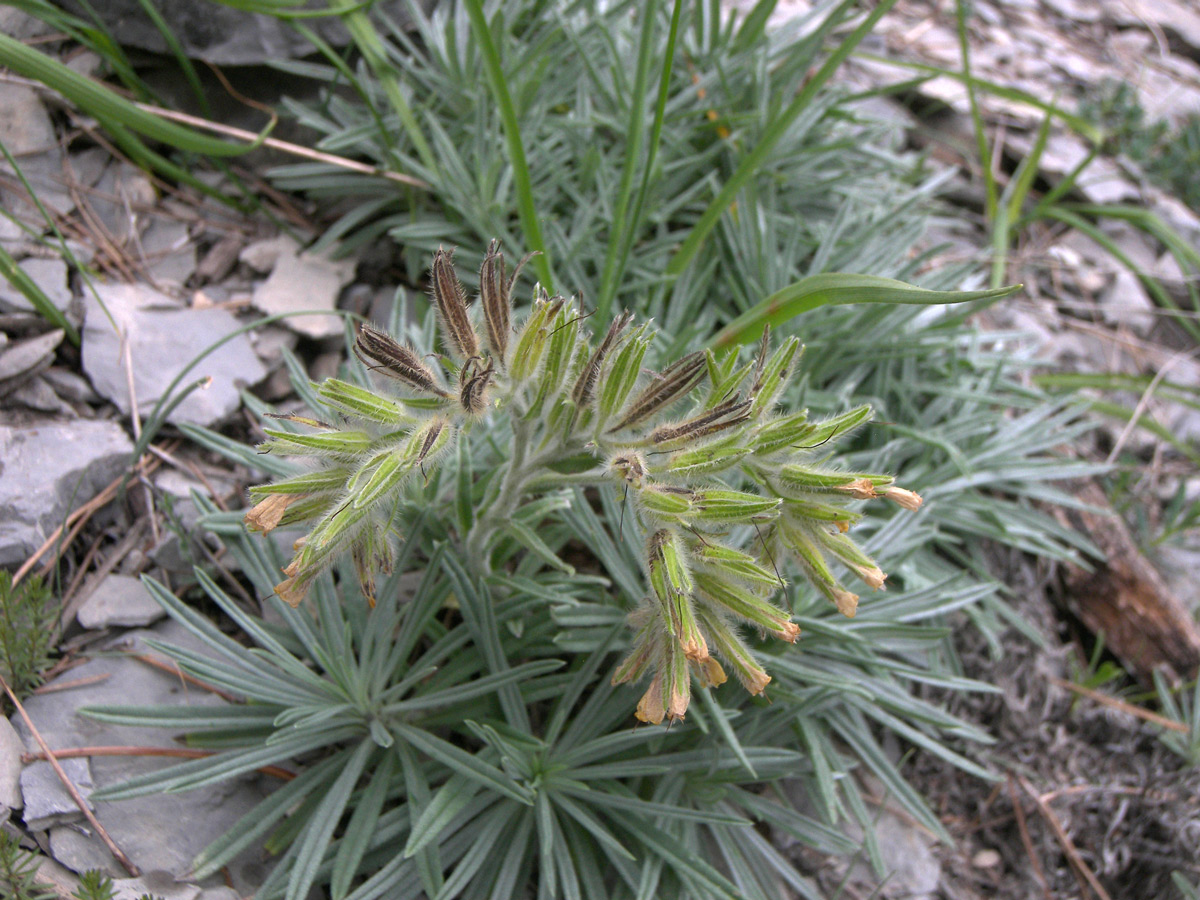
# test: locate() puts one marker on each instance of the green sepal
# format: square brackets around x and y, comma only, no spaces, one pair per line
[388,472]
[830,429]
[335,443]
[352,400]
[702,461]
[731,562]
[783,433]
[775,374]
[531,342]
[734,506]
[821,512]
[618,381]
[321,481]
[658,501]
[564,332]
[741,602]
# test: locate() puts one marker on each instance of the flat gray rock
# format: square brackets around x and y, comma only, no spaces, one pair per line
[28,356]
[48,274]
[304,281]
[47,800]
[36,497]
[11,748]
[169,252]
[28,134]
[122,198]
[119,600]
[161,831]
[163,338]
[76,847]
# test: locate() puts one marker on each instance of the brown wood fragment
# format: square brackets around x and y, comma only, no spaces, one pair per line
[1145,625]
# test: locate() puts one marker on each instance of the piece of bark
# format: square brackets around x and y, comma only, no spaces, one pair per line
[1145,625]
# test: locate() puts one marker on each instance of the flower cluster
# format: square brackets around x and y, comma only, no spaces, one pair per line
[724,486]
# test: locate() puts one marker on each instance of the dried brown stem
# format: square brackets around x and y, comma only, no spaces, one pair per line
[116,851]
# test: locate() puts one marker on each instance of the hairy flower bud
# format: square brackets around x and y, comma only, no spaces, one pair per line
[382,353]
[496,302]
[451,302]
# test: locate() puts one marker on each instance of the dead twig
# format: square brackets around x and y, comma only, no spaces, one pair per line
[79,516]
[57,686]
[1026,841]
[251,137]
[116,851]
[1144,714]
[1086,877]
[172,669]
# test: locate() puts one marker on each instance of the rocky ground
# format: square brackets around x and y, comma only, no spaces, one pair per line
[1091,803]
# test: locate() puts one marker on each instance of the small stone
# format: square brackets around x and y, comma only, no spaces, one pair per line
[28,134]
[163,338]
[301,282]
[21,357]
[11,748]
[219,260]
[37,394]
[159,831]
[61,879]
[20,25]
[47,801]
[261,255]
[80,849]
[122,197]
[271,341]
[119,600]
[50,275]
[219,893]
[169,252]
[986,859]
[71,387]
[35,497]
[1126,303]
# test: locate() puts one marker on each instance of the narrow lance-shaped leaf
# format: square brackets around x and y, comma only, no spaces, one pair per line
[834,288]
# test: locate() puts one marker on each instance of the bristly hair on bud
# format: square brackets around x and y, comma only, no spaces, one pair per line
[731,413]
[382,353]
[451,302]
[495,297]
[673,383]
[473,382]
[585,385]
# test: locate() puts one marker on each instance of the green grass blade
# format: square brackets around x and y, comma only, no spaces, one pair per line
[836,288]
[774,133]
[15,275]
[750,32]
[371,45]
[526,205]
[614,261]
[1152,285]
[1076,123]
[981,142]
[108,106]
[1008,209]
